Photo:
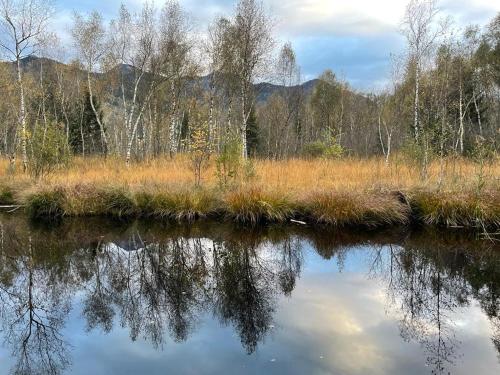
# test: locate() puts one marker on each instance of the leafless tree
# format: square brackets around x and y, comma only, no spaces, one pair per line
[89,38]
[133,43]
[23,24]
[421,31]
[252,44]
[176,62]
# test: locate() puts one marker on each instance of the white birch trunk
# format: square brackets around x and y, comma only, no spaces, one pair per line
[416,104]
[98,118]
[22,117]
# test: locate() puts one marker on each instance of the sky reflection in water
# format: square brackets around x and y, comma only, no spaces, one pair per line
[95,297]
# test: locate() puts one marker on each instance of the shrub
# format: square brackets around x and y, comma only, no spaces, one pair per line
[199,149]
[48,150]
[228,162]
[330,149]
[314,150]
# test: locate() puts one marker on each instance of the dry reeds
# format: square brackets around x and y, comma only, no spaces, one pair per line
[343,192]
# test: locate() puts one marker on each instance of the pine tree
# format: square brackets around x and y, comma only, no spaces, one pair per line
[84,132]
[252,134]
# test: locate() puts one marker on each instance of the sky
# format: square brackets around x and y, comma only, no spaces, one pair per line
[354,38]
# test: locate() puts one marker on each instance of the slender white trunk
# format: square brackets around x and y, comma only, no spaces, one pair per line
[380,134]
[136,124]
[416,104]
[98,118]
[476,106]
[461,130]
[22,117]
[211,117]
[243,128]
[173,122]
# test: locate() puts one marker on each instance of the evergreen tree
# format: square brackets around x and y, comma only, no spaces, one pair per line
[252,134]
[84,133]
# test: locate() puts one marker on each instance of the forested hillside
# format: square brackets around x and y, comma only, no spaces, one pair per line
[141,85]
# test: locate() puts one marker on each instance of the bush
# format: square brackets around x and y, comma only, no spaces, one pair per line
[199,149]
[228,162]
[48,150]
[330,149]
[314,150]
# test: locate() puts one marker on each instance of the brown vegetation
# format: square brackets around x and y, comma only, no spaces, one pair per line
[333,192]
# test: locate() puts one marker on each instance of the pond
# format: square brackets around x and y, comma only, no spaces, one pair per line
[100,297]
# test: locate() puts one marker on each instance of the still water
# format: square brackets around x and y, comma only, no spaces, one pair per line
[97,297]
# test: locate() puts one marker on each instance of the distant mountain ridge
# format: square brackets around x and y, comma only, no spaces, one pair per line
[263,90]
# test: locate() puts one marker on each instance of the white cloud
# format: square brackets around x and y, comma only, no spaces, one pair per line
[355,37]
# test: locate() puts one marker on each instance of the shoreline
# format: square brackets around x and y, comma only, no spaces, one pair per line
[252,206]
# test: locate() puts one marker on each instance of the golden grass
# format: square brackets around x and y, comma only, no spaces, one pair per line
[335,192]
[294,175]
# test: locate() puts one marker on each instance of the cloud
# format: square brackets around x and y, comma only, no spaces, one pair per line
[354,38]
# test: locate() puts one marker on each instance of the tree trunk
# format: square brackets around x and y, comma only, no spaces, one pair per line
[476,106]
[173,125]
[244,120]
[22,117]
[461,130]
[98,118]
[417,98]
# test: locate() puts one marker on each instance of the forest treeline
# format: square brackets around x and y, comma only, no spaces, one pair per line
[147,85]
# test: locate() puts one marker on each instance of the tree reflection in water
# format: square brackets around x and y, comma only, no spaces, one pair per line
[157,283]
[33,307]
[428,281]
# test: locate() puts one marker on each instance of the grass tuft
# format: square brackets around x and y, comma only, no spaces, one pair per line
[255,205]
[181,205]
[466,209]
[348,209]
[47,204]
[6,195]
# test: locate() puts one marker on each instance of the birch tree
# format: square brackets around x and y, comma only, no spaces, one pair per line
[134,43]
[222,67]
[89,39]
[23,24]
[288,77]
[421,31]
[176,63]
[252,45]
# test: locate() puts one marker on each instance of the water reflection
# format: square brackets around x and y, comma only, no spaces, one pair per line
[159,282]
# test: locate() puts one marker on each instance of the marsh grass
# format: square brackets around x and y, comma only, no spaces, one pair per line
[7,195]
[345,192]
[46,204]
[356,209]
[256,205]
[176,204]
[457,209]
